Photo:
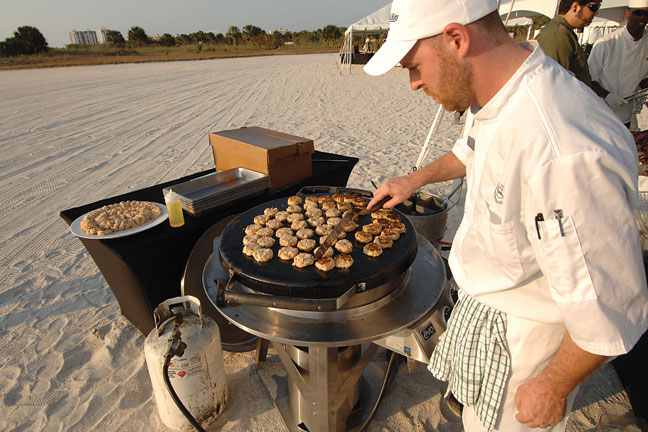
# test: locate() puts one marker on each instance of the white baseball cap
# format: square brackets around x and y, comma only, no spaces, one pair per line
[638,4]
[412,20]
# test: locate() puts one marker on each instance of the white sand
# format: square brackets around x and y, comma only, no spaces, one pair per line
[71,136]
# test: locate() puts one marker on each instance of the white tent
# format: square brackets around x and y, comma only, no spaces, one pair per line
[375,23]
[599,28]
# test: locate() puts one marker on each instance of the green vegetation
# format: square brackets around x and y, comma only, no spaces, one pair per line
[250,41]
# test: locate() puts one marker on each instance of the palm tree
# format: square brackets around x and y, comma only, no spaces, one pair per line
[138,36]
[234,33]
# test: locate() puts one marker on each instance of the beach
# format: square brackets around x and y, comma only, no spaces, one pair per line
[71,136]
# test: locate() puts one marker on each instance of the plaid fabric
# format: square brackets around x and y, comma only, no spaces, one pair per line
[472,356]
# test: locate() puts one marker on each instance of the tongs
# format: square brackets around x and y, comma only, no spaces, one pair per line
[350,215]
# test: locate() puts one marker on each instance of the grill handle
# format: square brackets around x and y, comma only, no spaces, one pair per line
[228,297]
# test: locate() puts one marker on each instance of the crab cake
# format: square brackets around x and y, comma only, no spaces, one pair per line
[333,212]
[306,245]
[344,246]
[323,198]
[313,212]
[311,205]
[294,200]
[271,212]
[372,249]
[384,242]
[325,264]
[288,240]
[274,224]
[294,209]
[288,253]
[261,219]
[338,198]
[348,198]
[361,211]
[297,225]
[350,226]
[328,253]
[303,260]
[315,222]
[252,229]
[250,248]
[342,206]
[285,231]
[265,232]
[383,222]
[363,237]
[372,229]
[390,234]
[333,221]
[360,202]
[305,233]
[399,227]
[380,213]
[343,261]
[282,215]
[293,217]
[323,230]
[393,217]
[311,199]
[263,254]
[266,242]
[250,239]
[327,205]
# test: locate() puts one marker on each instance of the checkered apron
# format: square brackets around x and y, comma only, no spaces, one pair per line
[472,356]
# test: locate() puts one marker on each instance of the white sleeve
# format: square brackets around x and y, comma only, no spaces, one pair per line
[596,61]
[461,148]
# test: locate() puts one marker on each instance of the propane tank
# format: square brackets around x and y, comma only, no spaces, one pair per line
[198,376]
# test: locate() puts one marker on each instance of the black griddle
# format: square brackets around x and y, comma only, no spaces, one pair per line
[281,278]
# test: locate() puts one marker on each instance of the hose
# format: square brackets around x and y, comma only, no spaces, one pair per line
[177,348]
[386,382]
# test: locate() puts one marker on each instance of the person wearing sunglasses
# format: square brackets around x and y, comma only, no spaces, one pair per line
[558,38]
[618,62]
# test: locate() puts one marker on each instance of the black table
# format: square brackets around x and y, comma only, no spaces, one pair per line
[146,268]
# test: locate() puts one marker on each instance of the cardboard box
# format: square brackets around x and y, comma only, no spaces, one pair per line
[285,158]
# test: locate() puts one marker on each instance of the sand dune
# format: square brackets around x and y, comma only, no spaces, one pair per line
[70,136]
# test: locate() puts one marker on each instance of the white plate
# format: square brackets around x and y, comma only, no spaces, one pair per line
[75,227]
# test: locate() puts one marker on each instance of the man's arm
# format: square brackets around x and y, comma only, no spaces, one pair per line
[541,401]
[447,167]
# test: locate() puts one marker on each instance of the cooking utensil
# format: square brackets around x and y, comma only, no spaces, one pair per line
[332,238]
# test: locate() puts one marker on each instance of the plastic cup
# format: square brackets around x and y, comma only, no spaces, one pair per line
[174,208]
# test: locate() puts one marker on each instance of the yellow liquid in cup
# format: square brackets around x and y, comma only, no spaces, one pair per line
[176,218]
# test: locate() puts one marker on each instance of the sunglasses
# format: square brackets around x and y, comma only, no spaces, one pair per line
[640,12]
[594,7]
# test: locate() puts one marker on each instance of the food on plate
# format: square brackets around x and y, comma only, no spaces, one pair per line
[393,217]
[333,221]
[250,239]
[271,211]
[250,248]
[374,229]
[274,224]
[338,198]
[305,233]
[349,198]
[297,225]
[343,261]
[360,202]
[261,219]
[380,213]
[306,245]
[283,232]
[333,212]
[323,198]
[313,212]
[263,254]
[323,230]
[325,264]
[294,200]
[294,217]
[288,252]
[118,217]
[372,250]
[317,221]
[350,226]
[282,215]
[383,242]
[266,242]
[303,260]
[311,199]
[344,246]
[293,209]
[390,234]
[399,227]
[265,232]
[311,205]
[327,205]
[363,237]
[361,211]
[383,222]
[252,229]
[342,206]
[288,240]
[328,253]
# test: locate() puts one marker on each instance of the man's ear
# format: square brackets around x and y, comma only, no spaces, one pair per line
[456,38]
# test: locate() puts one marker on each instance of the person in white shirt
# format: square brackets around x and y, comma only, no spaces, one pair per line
[618,62]
[547,257]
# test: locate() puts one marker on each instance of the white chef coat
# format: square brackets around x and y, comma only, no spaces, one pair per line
[619,63]
[545,141]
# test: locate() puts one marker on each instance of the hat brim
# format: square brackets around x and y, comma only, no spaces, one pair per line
[388,56]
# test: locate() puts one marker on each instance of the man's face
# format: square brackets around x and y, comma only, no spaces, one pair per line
[585,14]
[440,75]
[637,19]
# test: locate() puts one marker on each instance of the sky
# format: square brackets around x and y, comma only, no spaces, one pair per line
[56,18]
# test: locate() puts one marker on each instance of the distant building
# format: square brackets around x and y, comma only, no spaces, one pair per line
[280,30]
[87,37]
[102,35]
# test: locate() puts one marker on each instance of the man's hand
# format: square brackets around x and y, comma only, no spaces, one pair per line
[399,188]
[614,100]
[538,404]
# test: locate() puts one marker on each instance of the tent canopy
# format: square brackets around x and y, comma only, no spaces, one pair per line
[377,22]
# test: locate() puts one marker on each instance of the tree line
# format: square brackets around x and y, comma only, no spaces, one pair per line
[29,40]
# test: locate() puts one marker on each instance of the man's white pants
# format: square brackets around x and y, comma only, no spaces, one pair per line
[532,345]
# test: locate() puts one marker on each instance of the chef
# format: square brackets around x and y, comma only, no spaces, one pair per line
[618,62]
[547,256]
